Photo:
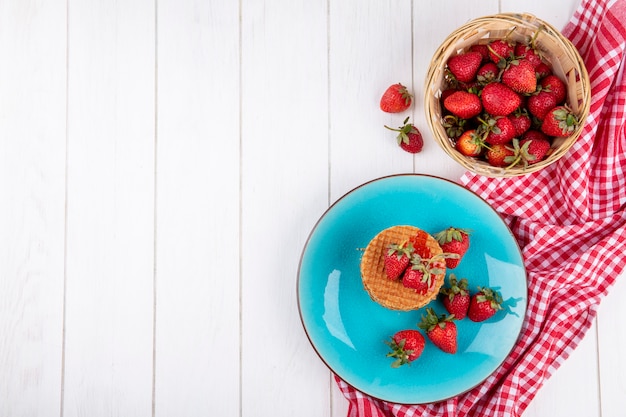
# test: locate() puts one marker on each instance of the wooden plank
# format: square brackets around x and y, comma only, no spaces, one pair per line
[32,185]
[284,191]
[370,49]
[573,388]
[432,23]
[555,13]
[611,345]
[401,40]
[197,320]
[110,222]
[559,396]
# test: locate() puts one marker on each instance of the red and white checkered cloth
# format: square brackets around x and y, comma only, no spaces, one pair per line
[570,222]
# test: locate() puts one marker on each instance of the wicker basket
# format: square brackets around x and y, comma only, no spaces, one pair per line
[557,50]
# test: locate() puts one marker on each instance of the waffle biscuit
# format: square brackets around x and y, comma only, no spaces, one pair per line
[391,293]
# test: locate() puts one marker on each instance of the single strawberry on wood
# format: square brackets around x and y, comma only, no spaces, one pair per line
[456,297]
[440,330]
[409,137]
[397,259]
[453,240]
[406,346]
[484,304]
[396,99]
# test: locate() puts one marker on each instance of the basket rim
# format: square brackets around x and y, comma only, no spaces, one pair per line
[450,45]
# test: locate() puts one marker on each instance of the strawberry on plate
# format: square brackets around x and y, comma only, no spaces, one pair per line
[456,241]
[420,274]
[397,259]
[406,346]
[441,330]
[409,137]
[456,297]
[396,99]
[484,304]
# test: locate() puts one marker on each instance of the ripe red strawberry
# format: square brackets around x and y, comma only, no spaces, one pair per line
[501,50]
[540,104]
[447,92]
[410,139]
[487,73]
[396,99]
[456,297]
[441,330]
[500,155]
[406,346]
[553,84]
[463,104]
[481,49]
[499,100]
[496,130]
[529,53]
[453,240]
[559,122]
[470,143]
[521,121]
[464,66]
[542,70]
[520,76]
[397,259]
[530,150]
[420,274]
[484,304]
[537,148]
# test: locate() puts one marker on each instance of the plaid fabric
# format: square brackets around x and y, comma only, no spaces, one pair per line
[570,222]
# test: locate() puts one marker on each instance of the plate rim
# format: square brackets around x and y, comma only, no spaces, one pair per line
[365,184]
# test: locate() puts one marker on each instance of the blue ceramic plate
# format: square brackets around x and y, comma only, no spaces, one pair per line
[348,330]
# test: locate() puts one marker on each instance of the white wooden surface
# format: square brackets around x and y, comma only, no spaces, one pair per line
[161,165]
